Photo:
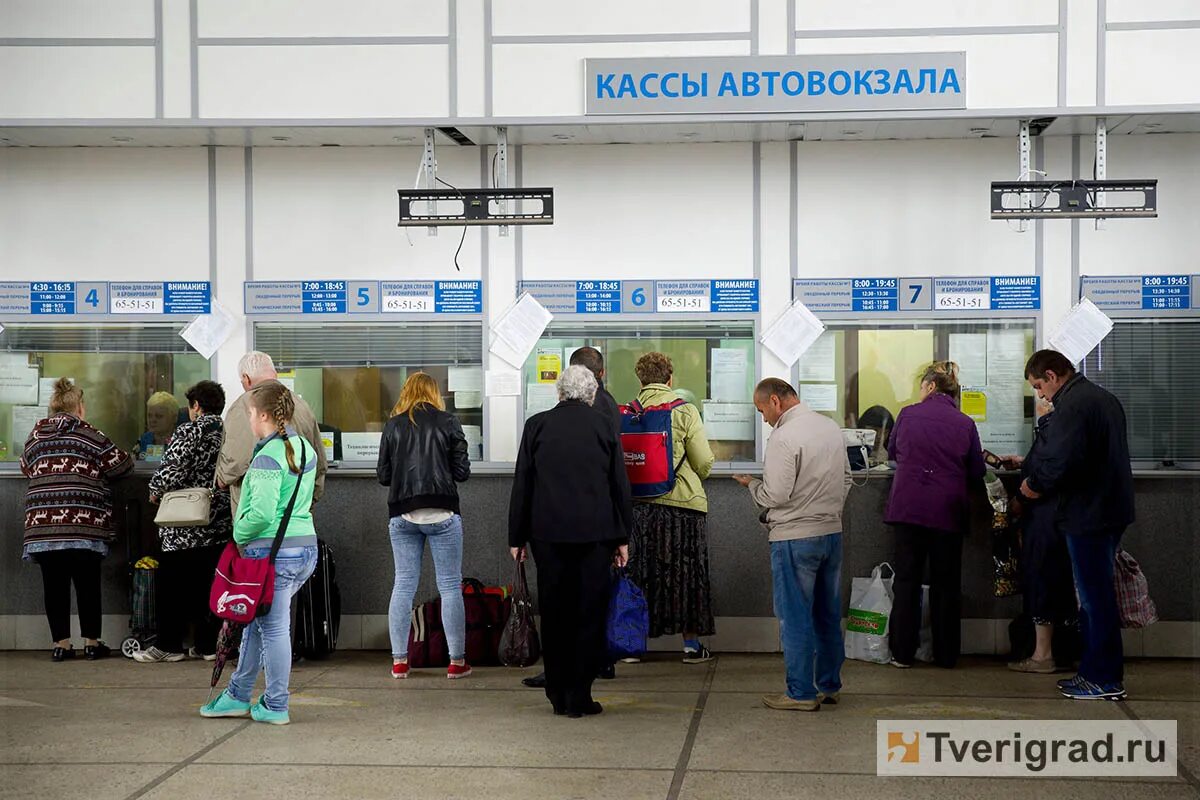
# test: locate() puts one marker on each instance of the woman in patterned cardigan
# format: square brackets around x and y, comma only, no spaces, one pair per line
[189,555]
[68,514]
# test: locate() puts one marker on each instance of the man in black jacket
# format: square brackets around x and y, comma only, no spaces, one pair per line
[1086,463]
[607,407]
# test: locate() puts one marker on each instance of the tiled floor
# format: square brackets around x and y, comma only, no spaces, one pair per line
[120,730]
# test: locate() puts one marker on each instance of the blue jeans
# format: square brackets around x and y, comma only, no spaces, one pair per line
[267,640]
[1092,557]
[408,546]
[807,574]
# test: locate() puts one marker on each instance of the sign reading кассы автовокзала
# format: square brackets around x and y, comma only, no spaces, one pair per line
[772,84]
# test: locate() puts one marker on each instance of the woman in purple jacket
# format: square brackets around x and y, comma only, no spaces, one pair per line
[938,456]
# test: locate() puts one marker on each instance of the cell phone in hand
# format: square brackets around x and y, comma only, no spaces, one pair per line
[992,460]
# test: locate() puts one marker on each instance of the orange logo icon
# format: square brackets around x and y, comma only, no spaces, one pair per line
[904,748]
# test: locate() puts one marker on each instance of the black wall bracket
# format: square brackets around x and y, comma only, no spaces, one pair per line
[1083,199]
[420,208]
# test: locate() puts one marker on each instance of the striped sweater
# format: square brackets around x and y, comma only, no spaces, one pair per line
[69,464]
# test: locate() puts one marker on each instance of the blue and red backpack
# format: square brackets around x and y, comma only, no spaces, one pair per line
[649,450]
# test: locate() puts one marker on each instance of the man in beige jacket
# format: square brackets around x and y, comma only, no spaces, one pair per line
[806,476]
[255,368]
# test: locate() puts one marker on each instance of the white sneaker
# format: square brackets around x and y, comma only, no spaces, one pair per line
[156,656]
[194,653]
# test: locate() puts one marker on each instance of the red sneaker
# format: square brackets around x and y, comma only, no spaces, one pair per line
[400,670]
[456,671]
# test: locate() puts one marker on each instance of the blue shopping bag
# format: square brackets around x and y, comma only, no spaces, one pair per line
[628,619]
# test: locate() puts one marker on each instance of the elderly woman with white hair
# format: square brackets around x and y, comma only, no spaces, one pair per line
[571,506]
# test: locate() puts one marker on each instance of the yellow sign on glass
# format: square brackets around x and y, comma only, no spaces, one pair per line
[974,404]
[549,365]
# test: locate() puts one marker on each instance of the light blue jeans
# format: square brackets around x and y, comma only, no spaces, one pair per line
[267,641]
[408,547]
[807,576]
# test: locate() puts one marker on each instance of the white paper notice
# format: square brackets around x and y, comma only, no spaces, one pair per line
[820,396]
[1080,332]
[468,400]
[207,332]
[540,397]
[792,333]
[729,422]
[466,379]
[970,351]
[361,446]
[19,384]
[517,330]
[729,370]
[819,363]
[474,434]
[289,381]
[502,383]
[23,420]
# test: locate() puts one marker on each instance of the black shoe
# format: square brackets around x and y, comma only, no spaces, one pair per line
[94,651]
[62,653]
[588,709]
[536,682]
[607,673]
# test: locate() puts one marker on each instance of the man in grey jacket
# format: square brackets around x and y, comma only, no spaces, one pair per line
[254,368]
[806,476]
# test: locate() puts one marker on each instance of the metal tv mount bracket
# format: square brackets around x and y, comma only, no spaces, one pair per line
[456,207]
[1096,198]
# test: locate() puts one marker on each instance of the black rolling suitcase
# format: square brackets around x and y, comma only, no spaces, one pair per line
[319,608]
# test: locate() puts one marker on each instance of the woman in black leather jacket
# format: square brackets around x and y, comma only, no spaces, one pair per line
[422,458]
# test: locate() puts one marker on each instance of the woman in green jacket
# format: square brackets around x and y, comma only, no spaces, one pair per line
[668,552]
[266,491]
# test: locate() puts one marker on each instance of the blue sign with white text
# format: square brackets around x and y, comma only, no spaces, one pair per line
[52,298]
[1166,292]
[874,294]
[1022,293]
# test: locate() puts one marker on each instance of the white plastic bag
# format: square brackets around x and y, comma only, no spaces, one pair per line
[925,647]
[870,613]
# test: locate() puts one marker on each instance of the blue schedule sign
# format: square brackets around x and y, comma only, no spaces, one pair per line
[975,295]
[703,296]
[1143,295]
[354,297]
[52,298]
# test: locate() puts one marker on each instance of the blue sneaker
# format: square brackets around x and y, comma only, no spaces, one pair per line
[260,713]
[1068,683]
[1086,690]
[224,706]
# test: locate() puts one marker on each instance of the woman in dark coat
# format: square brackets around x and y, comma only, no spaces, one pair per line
[571,505]
[1047,582]
[190,554]
[938,456]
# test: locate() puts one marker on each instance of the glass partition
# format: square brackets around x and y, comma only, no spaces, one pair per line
[714,364]
[351,375]
[133,378]
[862,375]
[1153,367]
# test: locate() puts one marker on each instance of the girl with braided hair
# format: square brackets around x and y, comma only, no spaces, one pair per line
[281,460]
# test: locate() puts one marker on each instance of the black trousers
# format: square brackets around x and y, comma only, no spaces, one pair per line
[574,582]
[943,550]
[184,580]
[59,569]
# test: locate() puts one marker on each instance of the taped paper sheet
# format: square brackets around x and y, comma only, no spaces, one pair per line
[730,368]
[207,332]
[361,446]
[792,333]
[516,332]
[23,420]
[465,379]
[729,422]
[819,396]
[502,383]
[819,363]
[540,397]
[1080,332]
[970,352]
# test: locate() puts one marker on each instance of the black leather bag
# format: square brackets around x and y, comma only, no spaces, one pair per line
[519,644]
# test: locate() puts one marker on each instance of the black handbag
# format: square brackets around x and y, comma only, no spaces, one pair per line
[519,644]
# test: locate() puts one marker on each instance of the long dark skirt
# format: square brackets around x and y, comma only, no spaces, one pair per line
[1046,566]
[668,559]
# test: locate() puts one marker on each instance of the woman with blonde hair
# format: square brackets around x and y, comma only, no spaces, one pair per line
[938,457]
[162,417]
[422,459]
[284,466]
[68,514]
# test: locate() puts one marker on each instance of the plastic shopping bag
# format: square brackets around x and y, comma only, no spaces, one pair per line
[870,612]
[1133,593]
[628,619]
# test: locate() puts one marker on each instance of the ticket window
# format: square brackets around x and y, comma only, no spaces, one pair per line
[714,366]
[351,376]
[1153,368]
[862,375]
[134,380]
